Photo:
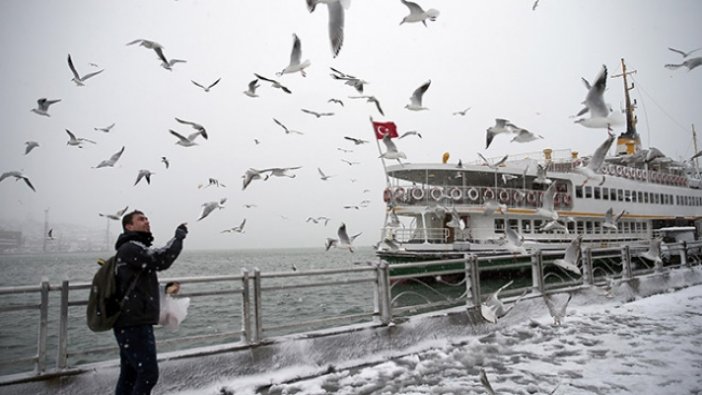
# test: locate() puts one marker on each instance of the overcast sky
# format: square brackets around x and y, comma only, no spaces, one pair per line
[498,57]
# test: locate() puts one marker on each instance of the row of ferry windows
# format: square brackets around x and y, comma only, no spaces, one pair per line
[590,192]
[589,227]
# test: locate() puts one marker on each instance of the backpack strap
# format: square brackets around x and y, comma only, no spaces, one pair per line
[129,290]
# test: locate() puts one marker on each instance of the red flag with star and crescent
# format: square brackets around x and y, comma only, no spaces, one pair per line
[383,128]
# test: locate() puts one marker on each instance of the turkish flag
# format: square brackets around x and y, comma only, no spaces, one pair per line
[383,128]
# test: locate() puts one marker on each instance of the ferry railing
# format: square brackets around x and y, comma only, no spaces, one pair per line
[466,281]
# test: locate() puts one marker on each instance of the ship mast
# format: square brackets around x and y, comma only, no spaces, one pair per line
[694,144]
[629,142]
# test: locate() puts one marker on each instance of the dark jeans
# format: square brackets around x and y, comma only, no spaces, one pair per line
[138,365]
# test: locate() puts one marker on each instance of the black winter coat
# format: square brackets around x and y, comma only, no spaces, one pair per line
[136,256]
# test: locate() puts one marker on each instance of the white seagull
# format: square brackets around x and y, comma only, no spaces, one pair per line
[337,101]
[238,229]
[496,165]
[116,216]
[208,207]
[207,88]
[600,116]
[501,126]
[105,129]
[417,13]
[524,136]
[557,313]
[411,133]
[555,225]
[493,308]
[165,161]
[295,56]
[344,241]
[250,175]
[514,242]
[370,99]
[274,83]
[683,53]
[287,131]
[77,141]
[690,63]
[462,113]
[317,114]
[18,176]
[251,91]
[195,126]
[391,152]
[43,106]
[336,21]
[571,259]
[541,178]
[350,80]
[185,141]
[610,221]
[596,161]
[654,251]
[416,98]
[146,174]
[323,176]
[355,140]
[281,171]
[80,81]
[30,146]
[113,159]
[546,210]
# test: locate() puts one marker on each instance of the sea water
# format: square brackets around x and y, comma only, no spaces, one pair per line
[206,315]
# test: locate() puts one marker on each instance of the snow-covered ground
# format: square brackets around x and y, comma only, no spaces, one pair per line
[652,346]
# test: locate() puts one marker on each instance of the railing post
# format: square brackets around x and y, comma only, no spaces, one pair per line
[626,263]
[62,356]
[473,271]
[257,306]
[40,366]
[537,271]
[245,307]
[683,255]
[383,292]
[588,274]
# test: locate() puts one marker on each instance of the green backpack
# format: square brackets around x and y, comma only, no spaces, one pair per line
[103,306]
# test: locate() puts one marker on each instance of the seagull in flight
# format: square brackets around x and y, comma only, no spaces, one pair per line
[250,175]
[514,242]
[350,163]
[546,210]
[370,99]
[610,220]
[652,254]
[185,141]
[212,182]
[113,159]
[411,133]
[105,129]
[557,313]
[273,83]
[572,256]
[524,136]
[690,63]
[356,141]
[287,131]
[317,114]
[165,161]
[462,113]
[501,126]
[337,101]
[50,235]
[391,152]
[43,106]
[486,384]
[417,13]
[206,89]
[495,165]
[336,21]
[416,98]
[344,241]
[116,216]
[208,207]
[295,56]
[238,229]
[493,308]
[281,171]
[683,53]
[541,175]
[596,161]
[323,176]
[167,63]
[77,141]
[196,126]
[18,176]
[146,174]
[80,81]
[30,146]
[601,115]
[251,91]
[350,80]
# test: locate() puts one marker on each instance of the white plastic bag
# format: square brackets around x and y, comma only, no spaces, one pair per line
[173,311]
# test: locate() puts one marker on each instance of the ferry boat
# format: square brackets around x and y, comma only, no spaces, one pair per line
[444,211]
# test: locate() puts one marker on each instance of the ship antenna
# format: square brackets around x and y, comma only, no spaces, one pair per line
[694,143]
[630,134]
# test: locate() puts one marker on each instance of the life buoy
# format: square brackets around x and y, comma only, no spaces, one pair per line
[604,170]
[654,176]
[387,195]
[417,193]
[644,174]
[456,194]
[638,174]
[399,193]
[503,195]
[518,196]
[611,169]
[627,172]
[620,171]
[436,193]
[489,194]
[473,194]
[531,197]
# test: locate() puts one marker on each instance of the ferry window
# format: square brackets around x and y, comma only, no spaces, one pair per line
[677,199]
[570,226]
[612,194]
[597,227]
[499,225]
[513,224]
[620,195]
[578,191]
[605,193]
[656,198]
[627,196]
[588,227]
[581,226]
[596,192]
[639,196]
[645,197]
[537,225]
[526,226]
[588,192]
[633,196]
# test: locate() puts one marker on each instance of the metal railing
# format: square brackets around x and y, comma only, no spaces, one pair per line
[396,290]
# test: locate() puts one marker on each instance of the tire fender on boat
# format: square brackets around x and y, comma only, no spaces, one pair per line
[417,193]
[489,194]
[473,194]
[436,193]
[456,193]
[504,196]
